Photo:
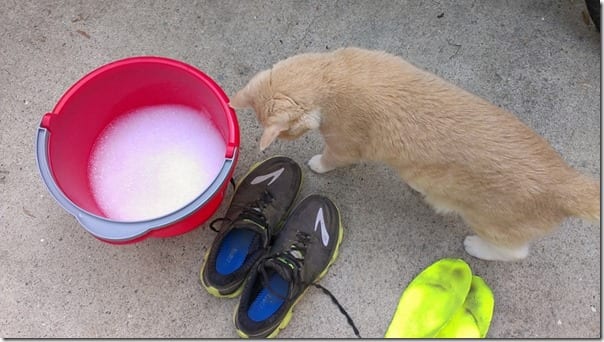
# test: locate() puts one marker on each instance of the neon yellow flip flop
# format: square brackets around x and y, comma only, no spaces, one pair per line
[473,318]
[443,301]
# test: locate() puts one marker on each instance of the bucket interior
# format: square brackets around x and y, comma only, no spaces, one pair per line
[117,89]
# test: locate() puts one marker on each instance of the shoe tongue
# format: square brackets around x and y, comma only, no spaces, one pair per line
[282,267]
[253,226]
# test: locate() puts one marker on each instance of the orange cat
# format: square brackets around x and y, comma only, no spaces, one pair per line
[464,154]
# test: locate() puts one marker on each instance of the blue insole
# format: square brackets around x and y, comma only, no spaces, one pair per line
[267,303]
[234,250]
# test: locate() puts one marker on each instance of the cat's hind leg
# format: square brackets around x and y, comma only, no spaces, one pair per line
[502,232]
[482,249]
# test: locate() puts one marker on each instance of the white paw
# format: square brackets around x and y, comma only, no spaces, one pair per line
[477,247]
[316,164]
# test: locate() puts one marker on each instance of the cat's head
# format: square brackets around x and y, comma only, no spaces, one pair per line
[282,113]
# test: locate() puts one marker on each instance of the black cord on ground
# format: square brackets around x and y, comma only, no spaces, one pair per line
[335,301]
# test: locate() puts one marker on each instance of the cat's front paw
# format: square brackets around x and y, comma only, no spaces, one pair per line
[317,165]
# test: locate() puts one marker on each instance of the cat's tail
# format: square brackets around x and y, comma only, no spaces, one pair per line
[582,198]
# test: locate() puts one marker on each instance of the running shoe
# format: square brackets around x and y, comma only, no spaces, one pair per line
[301,254]
[261,202]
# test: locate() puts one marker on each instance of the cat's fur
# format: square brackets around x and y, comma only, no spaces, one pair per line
[464,154]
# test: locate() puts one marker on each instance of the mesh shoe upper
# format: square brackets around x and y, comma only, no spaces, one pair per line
[300,255]
[260,204]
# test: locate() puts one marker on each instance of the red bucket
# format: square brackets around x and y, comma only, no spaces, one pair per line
[66,137]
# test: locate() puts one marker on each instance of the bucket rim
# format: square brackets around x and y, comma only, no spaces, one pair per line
[233,139]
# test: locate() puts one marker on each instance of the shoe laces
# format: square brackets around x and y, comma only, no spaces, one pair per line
[290,263]
[253,211]
[292,260]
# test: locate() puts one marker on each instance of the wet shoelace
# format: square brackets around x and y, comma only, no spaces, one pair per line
[291,261]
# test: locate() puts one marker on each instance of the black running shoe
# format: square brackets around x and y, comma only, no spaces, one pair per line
[301,255]
[259,206]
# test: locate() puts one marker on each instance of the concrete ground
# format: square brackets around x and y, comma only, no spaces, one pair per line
[539,59]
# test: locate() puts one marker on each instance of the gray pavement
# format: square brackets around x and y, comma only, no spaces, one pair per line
[539,59]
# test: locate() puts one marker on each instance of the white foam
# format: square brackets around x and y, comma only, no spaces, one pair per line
[153,161]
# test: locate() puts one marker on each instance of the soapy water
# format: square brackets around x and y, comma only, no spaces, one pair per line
[154,161]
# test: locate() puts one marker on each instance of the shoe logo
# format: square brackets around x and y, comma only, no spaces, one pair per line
[274,175]
[320,222]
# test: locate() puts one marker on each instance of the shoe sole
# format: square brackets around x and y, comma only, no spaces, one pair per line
[214,291]
[289,314]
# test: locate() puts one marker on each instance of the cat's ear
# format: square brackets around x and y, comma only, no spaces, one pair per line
[270,134]
[242,99]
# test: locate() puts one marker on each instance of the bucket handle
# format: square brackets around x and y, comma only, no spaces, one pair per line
[121,231]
